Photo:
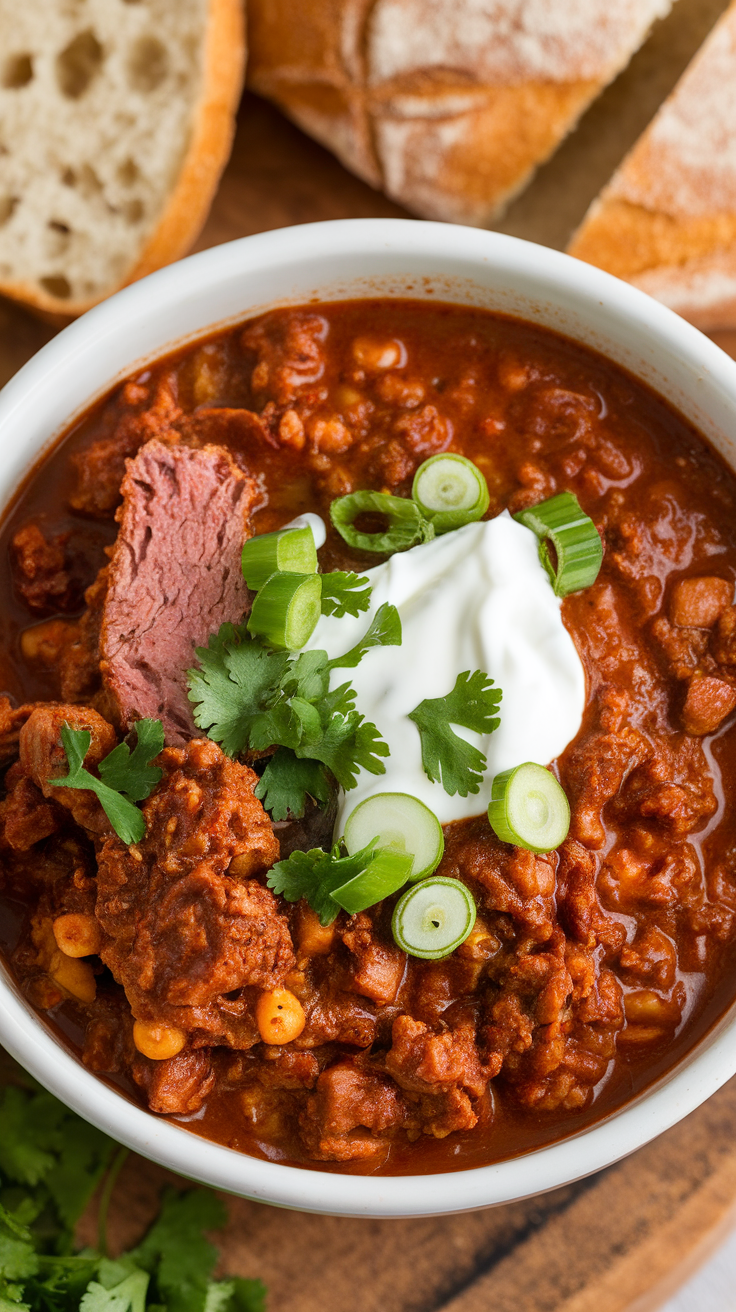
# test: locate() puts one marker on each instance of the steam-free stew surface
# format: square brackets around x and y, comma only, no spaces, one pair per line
[590,971]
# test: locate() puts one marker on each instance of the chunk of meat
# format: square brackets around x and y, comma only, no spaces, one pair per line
[348,1113]
[100,468]
[503,878]
[42,758]
[175,577]
[178,1085]
[25,816]
[39,569]
[707,704]
[378,967]
[12,719]
[180,932]
[698,602]
[289,352]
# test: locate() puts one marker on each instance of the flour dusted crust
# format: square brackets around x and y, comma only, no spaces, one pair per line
[116,119]
[666,221]
[447,105]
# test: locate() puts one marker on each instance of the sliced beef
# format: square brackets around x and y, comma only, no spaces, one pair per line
[175,577]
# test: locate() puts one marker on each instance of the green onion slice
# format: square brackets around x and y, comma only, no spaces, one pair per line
[286,609]
[399,823]
[386,874]
[406,523]
[433,917]
[574,537]
[450,491]
[288,551]
[529,808]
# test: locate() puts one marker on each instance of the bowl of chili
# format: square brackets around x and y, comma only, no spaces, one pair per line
[625,956]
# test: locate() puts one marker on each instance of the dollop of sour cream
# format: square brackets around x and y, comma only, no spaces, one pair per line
[474,599]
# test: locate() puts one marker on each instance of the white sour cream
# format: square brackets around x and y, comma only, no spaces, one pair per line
[474,599]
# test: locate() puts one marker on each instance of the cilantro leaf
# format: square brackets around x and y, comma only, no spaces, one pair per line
[129,772]
[176,1251]
[236,1295]
[315,874]
[236,677]
[384,631]
[249,697]
[128,1295]
[125,818]
[344,594]
[447,758]
[287,781]
[348,743]
[50,1162]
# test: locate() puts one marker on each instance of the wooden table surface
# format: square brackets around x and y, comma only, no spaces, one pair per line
[621,1241]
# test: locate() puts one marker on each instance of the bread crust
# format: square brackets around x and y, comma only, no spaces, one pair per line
[189,202]
[448,109]
[666,221]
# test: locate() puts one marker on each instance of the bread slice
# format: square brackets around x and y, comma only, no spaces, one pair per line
[666,221]
[447,105]
[116,119]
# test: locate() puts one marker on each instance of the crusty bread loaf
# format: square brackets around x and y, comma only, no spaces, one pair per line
[667,219]
[448,105]
[116,119]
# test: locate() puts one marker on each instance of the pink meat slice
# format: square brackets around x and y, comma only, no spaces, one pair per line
[175,577]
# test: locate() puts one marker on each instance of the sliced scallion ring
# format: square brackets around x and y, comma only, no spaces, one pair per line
[288,551]
[529,808]
[573,535]
[386,874]
[450,491]
[286,609]
[400,823]
[433,917]
[406,523]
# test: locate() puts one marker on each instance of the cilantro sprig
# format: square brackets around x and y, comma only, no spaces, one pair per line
[316,874]
[447,758]
[51,1162]
[344,593]
[125,777]
[247,696]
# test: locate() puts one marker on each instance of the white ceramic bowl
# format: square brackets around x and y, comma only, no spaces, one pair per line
[329,261]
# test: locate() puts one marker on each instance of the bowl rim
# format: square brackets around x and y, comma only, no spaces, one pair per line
[557,278]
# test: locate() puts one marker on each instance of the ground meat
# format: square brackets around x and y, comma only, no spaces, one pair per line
[79,664]
[101,467]
[40,569]
[175,577]
[184,926]
[178,1085]
[348,1114]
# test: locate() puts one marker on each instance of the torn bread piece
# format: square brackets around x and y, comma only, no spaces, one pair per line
[116,119]
[666,221]
[448,107]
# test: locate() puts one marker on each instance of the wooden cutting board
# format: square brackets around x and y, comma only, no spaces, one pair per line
[625,1239]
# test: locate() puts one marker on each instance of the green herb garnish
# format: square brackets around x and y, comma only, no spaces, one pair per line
[247,697]
[125,777]
[447,758]
[51,1162]
[406,524]
[315,875]
[286,783]
[344,594]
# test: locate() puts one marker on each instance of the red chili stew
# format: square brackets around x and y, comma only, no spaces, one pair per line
[589,971]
